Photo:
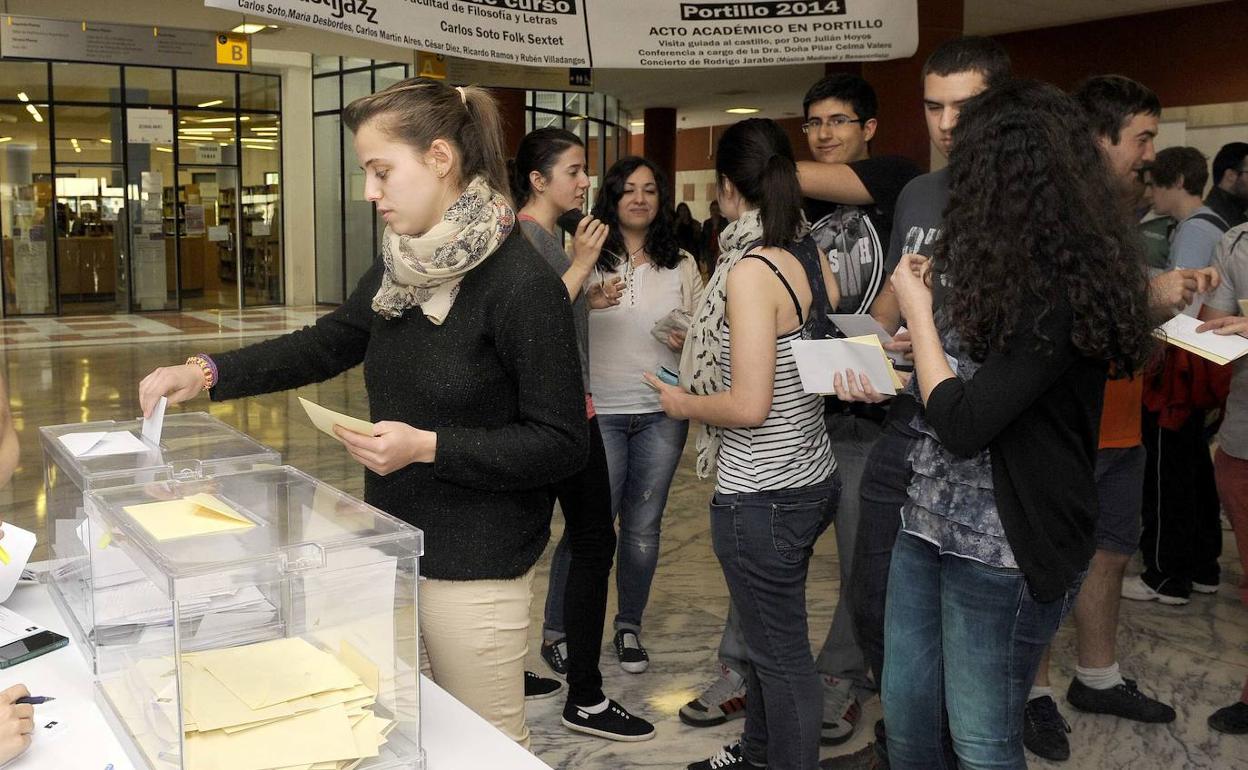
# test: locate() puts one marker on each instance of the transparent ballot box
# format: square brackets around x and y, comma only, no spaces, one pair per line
[96,455]
[280,625]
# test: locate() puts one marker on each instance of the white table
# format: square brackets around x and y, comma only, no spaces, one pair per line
[453,736]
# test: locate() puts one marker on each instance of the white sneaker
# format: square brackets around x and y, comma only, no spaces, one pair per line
[841,711]
[1136,589]
[1204,588]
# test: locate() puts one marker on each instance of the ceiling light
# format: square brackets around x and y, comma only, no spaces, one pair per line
[4,139]
[742,110]
[190,130]
[107,141]
[217,120]
[249,28]
[163,149]
[637,123]
[212,103]
[22,95]
[34,113]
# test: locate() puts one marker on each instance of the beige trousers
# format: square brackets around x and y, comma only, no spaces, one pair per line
[475,635]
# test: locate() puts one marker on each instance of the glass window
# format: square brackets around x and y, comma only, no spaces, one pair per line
[85,82]
[325,93]
[85,134]
[327,182]
[595,109]
[388,76]
[204,88]
[149,85]
[27,209]
[89,242]
[574,104]
[207,236]
[325,64]
[350,63]
[23,77]
[261,214]
[260,92]
[355,85]
[549,100]
[205,136]
[613,110]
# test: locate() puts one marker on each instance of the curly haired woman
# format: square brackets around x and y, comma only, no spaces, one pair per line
[1035,294]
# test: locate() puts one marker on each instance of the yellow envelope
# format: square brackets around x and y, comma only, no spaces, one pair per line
[874,341]
[325,419]
[271,673]
[200,514]
[316,736]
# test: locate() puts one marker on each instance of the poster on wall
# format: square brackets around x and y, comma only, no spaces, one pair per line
[150,289]
[637,34]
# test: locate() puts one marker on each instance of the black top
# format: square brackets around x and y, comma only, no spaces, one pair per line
[1227,206]
[856,238]
[500,383]
[1038,414]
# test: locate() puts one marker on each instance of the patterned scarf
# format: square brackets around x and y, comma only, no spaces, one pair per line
[700,372]
[426,270]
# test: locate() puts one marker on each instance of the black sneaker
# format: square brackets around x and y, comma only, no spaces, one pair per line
[633,657]
[556,655]
[727,757]
[613,723]
[863,759]
[539,687]
[1232,719]
[1123,700]
[1045,731]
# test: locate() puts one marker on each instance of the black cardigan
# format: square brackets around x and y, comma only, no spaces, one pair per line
[1039,415]
[500,383]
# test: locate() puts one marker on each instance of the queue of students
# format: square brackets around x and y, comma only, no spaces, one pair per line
[507,372]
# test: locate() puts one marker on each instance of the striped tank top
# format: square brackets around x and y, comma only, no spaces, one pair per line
[791,448]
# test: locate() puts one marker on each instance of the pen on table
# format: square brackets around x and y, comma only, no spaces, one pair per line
[34,700]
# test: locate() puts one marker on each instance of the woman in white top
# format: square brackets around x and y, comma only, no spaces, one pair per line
[654,278]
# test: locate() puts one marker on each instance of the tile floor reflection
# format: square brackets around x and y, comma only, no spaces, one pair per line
[1195,657]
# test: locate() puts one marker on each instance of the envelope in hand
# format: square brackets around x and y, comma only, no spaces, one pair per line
[200,514]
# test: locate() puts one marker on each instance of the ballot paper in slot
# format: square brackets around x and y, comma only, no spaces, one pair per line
[1180,331]
[819,361]
[285,640]
[81,457]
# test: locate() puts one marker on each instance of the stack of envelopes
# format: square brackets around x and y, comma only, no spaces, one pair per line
[279,704]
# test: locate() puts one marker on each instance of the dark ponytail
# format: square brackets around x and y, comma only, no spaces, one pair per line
[538,152]
[755,155]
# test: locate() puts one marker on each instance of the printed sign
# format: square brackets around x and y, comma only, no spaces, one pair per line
[638,34]
[31,37]
[149,126]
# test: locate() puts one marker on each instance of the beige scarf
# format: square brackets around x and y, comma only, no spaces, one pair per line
[426,270]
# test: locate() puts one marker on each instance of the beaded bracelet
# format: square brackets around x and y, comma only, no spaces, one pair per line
[207,366]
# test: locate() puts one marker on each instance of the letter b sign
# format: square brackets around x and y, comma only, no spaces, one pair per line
[233,50]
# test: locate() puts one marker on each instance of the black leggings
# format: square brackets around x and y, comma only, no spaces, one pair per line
[585,499]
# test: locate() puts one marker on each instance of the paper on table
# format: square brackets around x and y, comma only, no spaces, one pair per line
[16,546]
[152,426]
[200,514]
[819,361]
[1180,331]
[325,419]
[101,443]
[861,324]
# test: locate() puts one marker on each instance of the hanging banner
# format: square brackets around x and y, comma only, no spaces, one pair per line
[98,42]
[632,34]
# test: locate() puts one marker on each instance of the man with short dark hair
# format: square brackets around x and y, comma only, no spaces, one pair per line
[1179,176]
[1229,196]
[850,201]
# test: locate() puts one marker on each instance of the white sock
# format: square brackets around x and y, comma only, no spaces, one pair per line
[1100,678]
[597,709]
[1039,692]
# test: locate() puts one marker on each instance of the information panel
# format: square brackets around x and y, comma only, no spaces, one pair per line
[31,37]
[637,34]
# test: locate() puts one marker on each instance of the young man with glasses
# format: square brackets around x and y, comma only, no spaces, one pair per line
[850,201]
[1229,196]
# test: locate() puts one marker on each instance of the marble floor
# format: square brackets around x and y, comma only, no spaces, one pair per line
[1195,657]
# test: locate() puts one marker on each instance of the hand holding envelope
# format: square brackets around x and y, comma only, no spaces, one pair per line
[383,447]
[822,363]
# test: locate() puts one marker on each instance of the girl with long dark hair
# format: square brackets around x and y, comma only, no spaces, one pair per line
[776,483]
[660,283]
[549,179]
[1034,295]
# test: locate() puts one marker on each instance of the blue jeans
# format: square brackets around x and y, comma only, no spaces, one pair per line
[764,541]
[643,451]
[962,638]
